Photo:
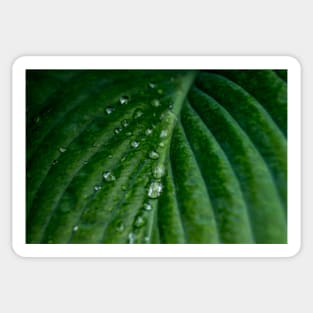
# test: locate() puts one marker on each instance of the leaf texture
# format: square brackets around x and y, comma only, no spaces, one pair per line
[142,156]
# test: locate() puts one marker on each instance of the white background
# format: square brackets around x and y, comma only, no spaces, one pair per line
[155,28]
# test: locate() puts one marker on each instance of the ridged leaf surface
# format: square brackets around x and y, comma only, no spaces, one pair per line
[156,156]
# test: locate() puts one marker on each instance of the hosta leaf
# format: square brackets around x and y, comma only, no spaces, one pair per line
[156,156]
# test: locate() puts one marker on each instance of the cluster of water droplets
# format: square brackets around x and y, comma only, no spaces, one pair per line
[155,186]
[108,176]
[154,190]
[97,187]
[139,222]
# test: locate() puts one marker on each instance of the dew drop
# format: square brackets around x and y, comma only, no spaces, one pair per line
[152,85]
[164,133]
[153,155]
[110,156]
[147,207]
[128,134]
[156,103]
[155,189]
[158,171]
[125,123]
[147,239]
[75,228]
[120,227]
[97,188]
[117,130]
[109,110]
[54,162]
[137,114]
[162,116]
[161,144]
[85,162]
[61,149]
[139,221]
[131,238]
[148,131]
[108,176]
[124,100]
[134,144]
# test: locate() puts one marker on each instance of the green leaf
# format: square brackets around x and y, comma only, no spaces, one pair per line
[142,156]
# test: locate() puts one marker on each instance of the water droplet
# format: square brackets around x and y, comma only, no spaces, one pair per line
[131,238]
[148,131]
[110,156]
[158,171]
[54,162]
[147,206]
[147,239]
[120,227]
[108,176]
[117,130]
[152,85]
[124,187]
[160,91]
[137,114]
[154,189]
[161,144]
[61,149]
[163,133]
[85,162]
[162,116]
[75,228]
[139,221]
[97,188]
[135,144]
[153,155]
[128,134]
[37,120]
[124,100]
[125,123]
[109,110]
[171,106]
[156,103]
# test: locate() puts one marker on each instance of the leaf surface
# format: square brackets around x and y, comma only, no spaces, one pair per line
[156,156]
